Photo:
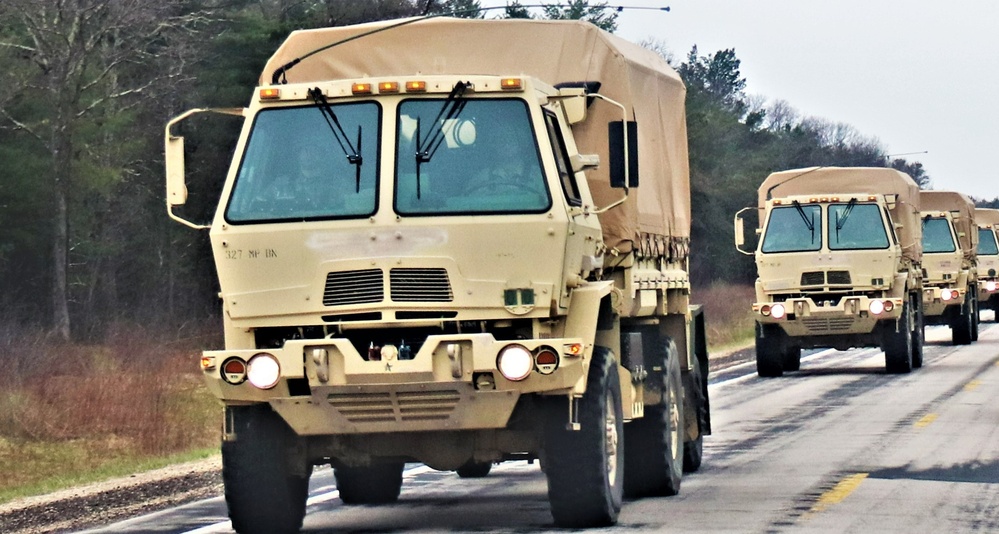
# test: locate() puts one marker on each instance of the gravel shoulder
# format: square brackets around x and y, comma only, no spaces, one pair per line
[143,493]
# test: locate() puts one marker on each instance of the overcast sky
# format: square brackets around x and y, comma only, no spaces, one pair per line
[917,75]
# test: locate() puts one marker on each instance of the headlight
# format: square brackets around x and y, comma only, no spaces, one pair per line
[263,371]
[515,362]
[948,294]
[877,307]
[990,286]
[777,311]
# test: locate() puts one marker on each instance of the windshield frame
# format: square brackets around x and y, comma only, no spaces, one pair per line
[370,170]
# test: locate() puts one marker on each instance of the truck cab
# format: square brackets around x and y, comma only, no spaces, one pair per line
[950,265]
[988,259]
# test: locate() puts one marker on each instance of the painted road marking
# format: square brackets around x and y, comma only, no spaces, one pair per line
[925,420]
[971,386]
[838,493]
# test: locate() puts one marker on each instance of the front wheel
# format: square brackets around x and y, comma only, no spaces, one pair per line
[585,467]
[473,469]
[261,491]
[897,343]
[769,350]
[963,328]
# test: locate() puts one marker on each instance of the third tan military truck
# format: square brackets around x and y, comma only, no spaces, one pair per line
[839,266]
[988,259]
[433,246]
[950,263]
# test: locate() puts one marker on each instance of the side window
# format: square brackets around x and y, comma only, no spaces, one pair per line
[566,176]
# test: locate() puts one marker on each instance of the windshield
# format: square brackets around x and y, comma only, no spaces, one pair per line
[855,226]
[793,229]
[487,159]
[987,242]
[295,168]
[936,236]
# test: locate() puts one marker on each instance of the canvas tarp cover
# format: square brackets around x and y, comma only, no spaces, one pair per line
[856,180]
[553,52]
[987,217]
[930,201]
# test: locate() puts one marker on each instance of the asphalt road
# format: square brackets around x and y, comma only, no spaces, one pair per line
[838,447]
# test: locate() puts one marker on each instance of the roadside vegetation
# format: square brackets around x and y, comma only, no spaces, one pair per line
[77,413]
[728,315]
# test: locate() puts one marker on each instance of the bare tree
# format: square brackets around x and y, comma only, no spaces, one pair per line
[77,55]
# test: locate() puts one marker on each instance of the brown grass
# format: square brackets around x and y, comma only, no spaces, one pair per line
[728,314]
[68,409]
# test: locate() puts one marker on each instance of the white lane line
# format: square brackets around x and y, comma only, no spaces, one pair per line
[752,364]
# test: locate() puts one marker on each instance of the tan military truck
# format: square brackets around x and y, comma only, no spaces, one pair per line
[950,263]
[988,260]
[839,266]
[469,273]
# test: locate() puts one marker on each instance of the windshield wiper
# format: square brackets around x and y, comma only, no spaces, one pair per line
[810,224]
[451,109]
[841,218]
[353,155]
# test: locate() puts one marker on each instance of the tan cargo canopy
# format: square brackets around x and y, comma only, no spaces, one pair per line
[987,217]
[964,222]
[856,181]
[553,52]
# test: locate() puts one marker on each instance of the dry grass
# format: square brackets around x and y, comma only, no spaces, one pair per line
[71,412]
[728,314]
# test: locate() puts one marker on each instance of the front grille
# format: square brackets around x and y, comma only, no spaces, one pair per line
[354,287]
[420,285]
[830,325]
[813,278]
[839,277]
[402,406]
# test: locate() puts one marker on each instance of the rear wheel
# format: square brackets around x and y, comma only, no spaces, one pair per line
[374,484]
[769,342]
[473,469]
[897,342]
[261,491]
[585,467]
[653,450]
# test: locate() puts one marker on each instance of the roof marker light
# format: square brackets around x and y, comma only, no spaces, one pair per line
[388,87]
[511,83]
[416,87]
[270,93]
[359,88]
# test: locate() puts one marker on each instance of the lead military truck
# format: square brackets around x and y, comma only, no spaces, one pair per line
[839,266]
[471,273]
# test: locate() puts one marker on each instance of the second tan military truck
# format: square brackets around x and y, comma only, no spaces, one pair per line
[950,263]
[988,260]
[433,246]
[838,266]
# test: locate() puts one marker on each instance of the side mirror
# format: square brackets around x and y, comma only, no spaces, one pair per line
[575,106]
[740,231]
[175,182]
[623,154]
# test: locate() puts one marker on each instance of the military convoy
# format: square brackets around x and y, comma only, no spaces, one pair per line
[465,276]
[839,265]
[950,263]
[988,260]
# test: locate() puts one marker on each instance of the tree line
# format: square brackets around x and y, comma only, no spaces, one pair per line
[85,245]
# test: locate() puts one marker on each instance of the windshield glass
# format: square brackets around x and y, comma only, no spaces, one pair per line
[856,227]
[793,229]
[937,236]
[487,160]
[294,167]
[987,242]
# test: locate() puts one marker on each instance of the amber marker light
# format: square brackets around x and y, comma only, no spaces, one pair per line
[272,93]
[573,349]
[207,363]
[416,87]
[388,87]
[361,88]
[510,83]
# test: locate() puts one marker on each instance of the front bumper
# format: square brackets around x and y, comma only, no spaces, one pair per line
[452,383]
[933,302]
[851,315]
[987,289]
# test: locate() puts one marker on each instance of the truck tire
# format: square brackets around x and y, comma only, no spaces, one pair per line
[769,358]
[974,316]
[918,331]
[653,444]
[693,452]
[963,325]
[791,358]
[473,469]
[695,404]
[373,484]
[262,494]
[897,342]
[585,467]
